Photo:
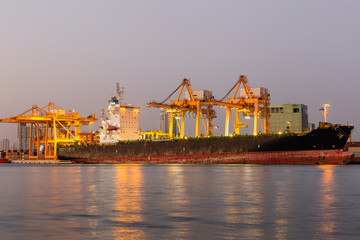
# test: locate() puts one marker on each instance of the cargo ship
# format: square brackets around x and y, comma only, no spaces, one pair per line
[323,145]
[120,142]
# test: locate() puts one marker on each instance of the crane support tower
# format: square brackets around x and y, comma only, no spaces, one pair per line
[200,105]
[50,126]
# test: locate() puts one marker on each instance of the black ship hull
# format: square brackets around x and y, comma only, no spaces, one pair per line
[329,137]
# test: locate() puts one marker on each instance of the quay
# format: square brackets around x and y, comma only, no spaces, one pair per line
[36,161]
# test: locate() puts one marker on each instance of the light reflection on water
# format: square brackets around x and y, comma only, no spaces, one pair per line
[179,202]
[327,212]
[128,202]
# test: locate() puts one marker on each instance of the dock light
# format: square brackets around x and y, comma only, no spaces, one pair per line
[247,115]
[324,109]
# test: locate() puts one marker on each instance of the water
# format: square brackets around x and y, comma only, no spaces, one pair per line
[179,202]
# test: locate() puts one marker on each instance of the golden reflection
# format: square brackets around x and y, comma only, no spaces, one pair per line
[282,210]
[128,201]
[178,200]
[327,212]
[252,198]
[63,186]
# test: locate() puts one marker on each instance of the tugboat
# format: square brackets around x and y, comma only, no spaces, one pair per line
[2,157]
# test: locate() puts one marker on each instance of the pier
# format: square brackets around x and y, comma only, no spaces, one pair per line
[40,162]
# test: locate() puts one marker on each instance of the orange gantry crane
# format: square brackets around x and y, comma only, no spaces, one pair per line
[52,125]
[201,106]
[252,102]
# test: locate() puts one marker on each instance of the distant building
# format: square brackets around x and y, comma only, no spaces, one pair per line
[311,126]
[288,117]
[23,136]
[14,146]
[165,123]
[4,144]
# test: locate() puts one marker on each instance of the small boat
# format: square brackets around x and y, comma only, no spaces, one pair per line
[4,160]
[112,128]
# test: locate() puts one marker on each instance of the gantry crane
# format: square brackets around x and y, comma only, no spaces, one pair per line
[250,104]
[52,125]
[203,108]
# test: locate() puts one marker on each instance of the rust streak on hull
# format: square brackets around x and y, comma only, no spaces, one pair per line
[307,157]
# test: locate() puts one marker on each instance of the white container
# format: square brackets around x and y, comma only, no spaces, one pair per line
[199,95]
[258,92]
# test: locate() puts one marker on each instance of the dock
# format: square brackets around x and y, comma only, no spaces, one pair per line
[40,162]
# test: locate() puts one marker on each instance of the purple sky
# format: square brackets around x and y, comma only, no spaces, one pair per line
[73,53]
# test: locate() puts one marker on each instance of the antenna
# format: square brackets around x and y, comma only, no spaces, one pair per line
[120,92]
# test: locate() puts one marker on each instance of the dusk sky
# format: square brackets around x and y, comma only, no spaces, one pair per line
[72,53]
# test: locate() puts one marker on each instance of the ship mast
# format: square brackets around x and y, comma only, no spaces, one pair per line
[120,92]
[324,110]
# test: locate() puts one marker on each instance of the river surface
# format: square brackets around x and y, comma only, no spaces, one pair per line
[179,202]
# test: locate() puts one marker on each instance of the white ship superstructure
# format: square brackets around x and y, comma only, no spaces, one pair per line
[119,122]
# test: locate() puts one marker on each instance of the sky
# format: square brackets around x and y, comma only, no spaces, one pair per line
[72,53]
